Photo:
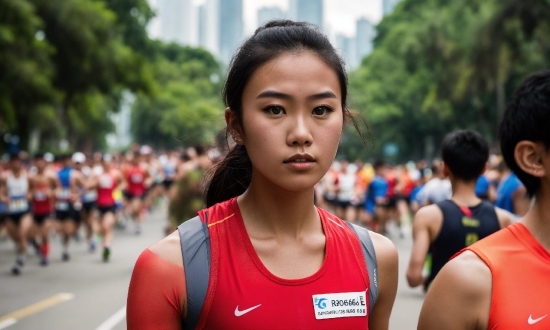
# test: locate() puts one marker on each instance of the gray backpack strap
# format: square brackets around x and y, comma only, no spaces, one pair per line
[195,249]
[370,259]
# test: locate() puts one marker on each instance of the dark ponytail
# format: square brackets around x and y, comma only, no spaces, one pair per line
[231,177]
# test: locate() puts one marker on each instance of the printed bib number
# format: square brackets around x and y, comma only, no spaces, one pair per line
[65,193]
[90,196]
[336,305]
[137,178]
[62,206]
[40,196]
[106,182]
[18,205]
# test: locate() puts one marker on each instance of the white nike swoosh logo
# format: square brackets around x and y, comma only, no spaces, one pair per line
[532,321]
[241,313]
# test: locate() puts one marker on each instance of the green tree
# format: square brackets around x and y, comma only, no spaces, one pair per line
[186,107]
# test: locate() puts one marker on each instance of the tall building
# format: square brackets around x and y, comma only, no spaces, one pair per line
[307,11]
[202,26]
[346,47]
[175,21]
[230,27]
[388,6]
[209,20]
[365,33]
[267,14]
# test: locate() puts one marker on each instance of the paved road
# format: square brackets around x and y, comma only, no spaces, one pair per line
[86,293]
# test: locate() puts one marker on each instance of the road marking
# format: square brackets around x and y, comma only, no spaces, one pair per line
[6,323]
[12,318]
[113,320]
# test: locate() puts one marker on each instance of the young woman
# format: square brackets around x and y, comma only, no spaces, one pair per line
[273,260]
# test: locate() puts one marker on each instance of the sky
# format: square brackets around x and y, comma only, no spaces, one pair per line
[340,15]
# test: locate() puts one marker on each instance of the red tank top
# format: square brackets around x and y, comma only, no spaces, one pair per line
[107,184]
[41,203]
[136,180]
[520,268]
[244,294]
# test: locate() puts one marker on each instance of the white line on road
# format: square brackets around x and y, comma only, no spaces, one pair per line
[113,320]
[6,323]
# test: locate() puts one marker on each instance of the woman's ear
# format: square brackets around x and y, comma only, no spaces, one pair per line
[530,158]
[233,126]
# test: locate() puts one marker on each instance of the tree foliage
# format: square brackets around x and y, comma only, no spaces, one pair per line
[442,65]
[186,108]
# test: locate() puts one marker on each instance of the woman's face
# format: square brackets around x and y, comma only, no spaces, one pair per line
[292,120]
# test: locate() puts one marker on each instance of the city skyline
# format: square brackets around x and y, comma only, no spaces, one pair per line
[221,25]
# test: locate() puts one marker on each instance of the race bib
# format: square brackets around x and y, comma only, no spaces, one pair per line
[106,182]
[90,196]
[137,178]
[62,206]
[40,196]
[336,305]
[18,205]
[65,193]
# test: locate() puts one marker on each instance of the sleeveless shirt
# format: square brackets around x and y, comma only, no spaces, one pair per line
[520,268]
[461,227]
[243,294]
[17,191]
[135,177]
[105,189]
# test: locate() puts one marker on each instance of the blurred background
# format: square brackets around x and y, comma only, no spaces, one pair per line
[111,75]
[100,74]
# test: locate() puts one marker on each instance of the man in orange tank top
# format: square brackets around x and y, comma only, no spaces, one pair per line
[502,281]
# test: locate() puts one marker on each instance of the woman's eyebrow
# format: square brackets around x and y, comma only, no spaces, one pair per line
[280,95]
[274,94]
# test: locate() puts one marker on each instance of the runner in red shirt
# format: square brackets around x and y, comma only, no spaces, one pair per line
[138,180]
[106,183]
[273,260]
[42,187]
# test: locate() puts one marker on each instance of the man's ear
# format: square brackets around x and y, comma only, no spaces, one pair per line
[530,157]
[233,126]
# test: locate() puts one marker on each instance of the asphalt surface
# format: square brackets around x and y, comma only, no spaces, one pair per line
[86,293]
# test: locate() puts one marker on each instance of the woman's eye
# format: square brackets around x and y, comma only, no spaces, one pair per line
[321,111]
[275,110]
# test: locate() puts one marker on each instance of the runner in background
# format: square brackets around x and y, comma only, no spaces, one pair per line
[88,213]
[106,183]
[440,230]
[346,178]
[14,192]
[437,189]
[376,199]
[68,204]
[138,179]
[42,187]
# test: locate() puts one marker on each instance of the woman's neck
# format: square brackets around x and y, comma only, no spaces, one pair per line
[268,209]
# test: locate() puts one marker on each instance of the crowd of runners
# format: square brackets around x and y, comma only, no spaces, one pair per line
[43,194]
[70,195]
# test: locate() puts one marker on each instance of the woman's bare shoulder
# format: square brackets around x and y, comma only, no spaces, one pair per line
[169,249]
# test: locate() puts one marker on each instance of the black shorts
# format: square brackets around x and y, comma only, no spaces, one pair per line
[167,183]
[16,217]
[330,200]
[39,219]
[106,209]
[343,204]
[391,204]
[89,206]
[129,196]
[68,214]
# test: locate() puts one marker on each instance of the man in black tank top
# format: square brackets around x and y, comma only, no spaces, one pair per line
[443,229]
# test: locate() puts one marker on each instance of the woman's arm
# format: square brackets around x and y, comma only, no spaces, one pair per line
[388,263]
[157,294]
